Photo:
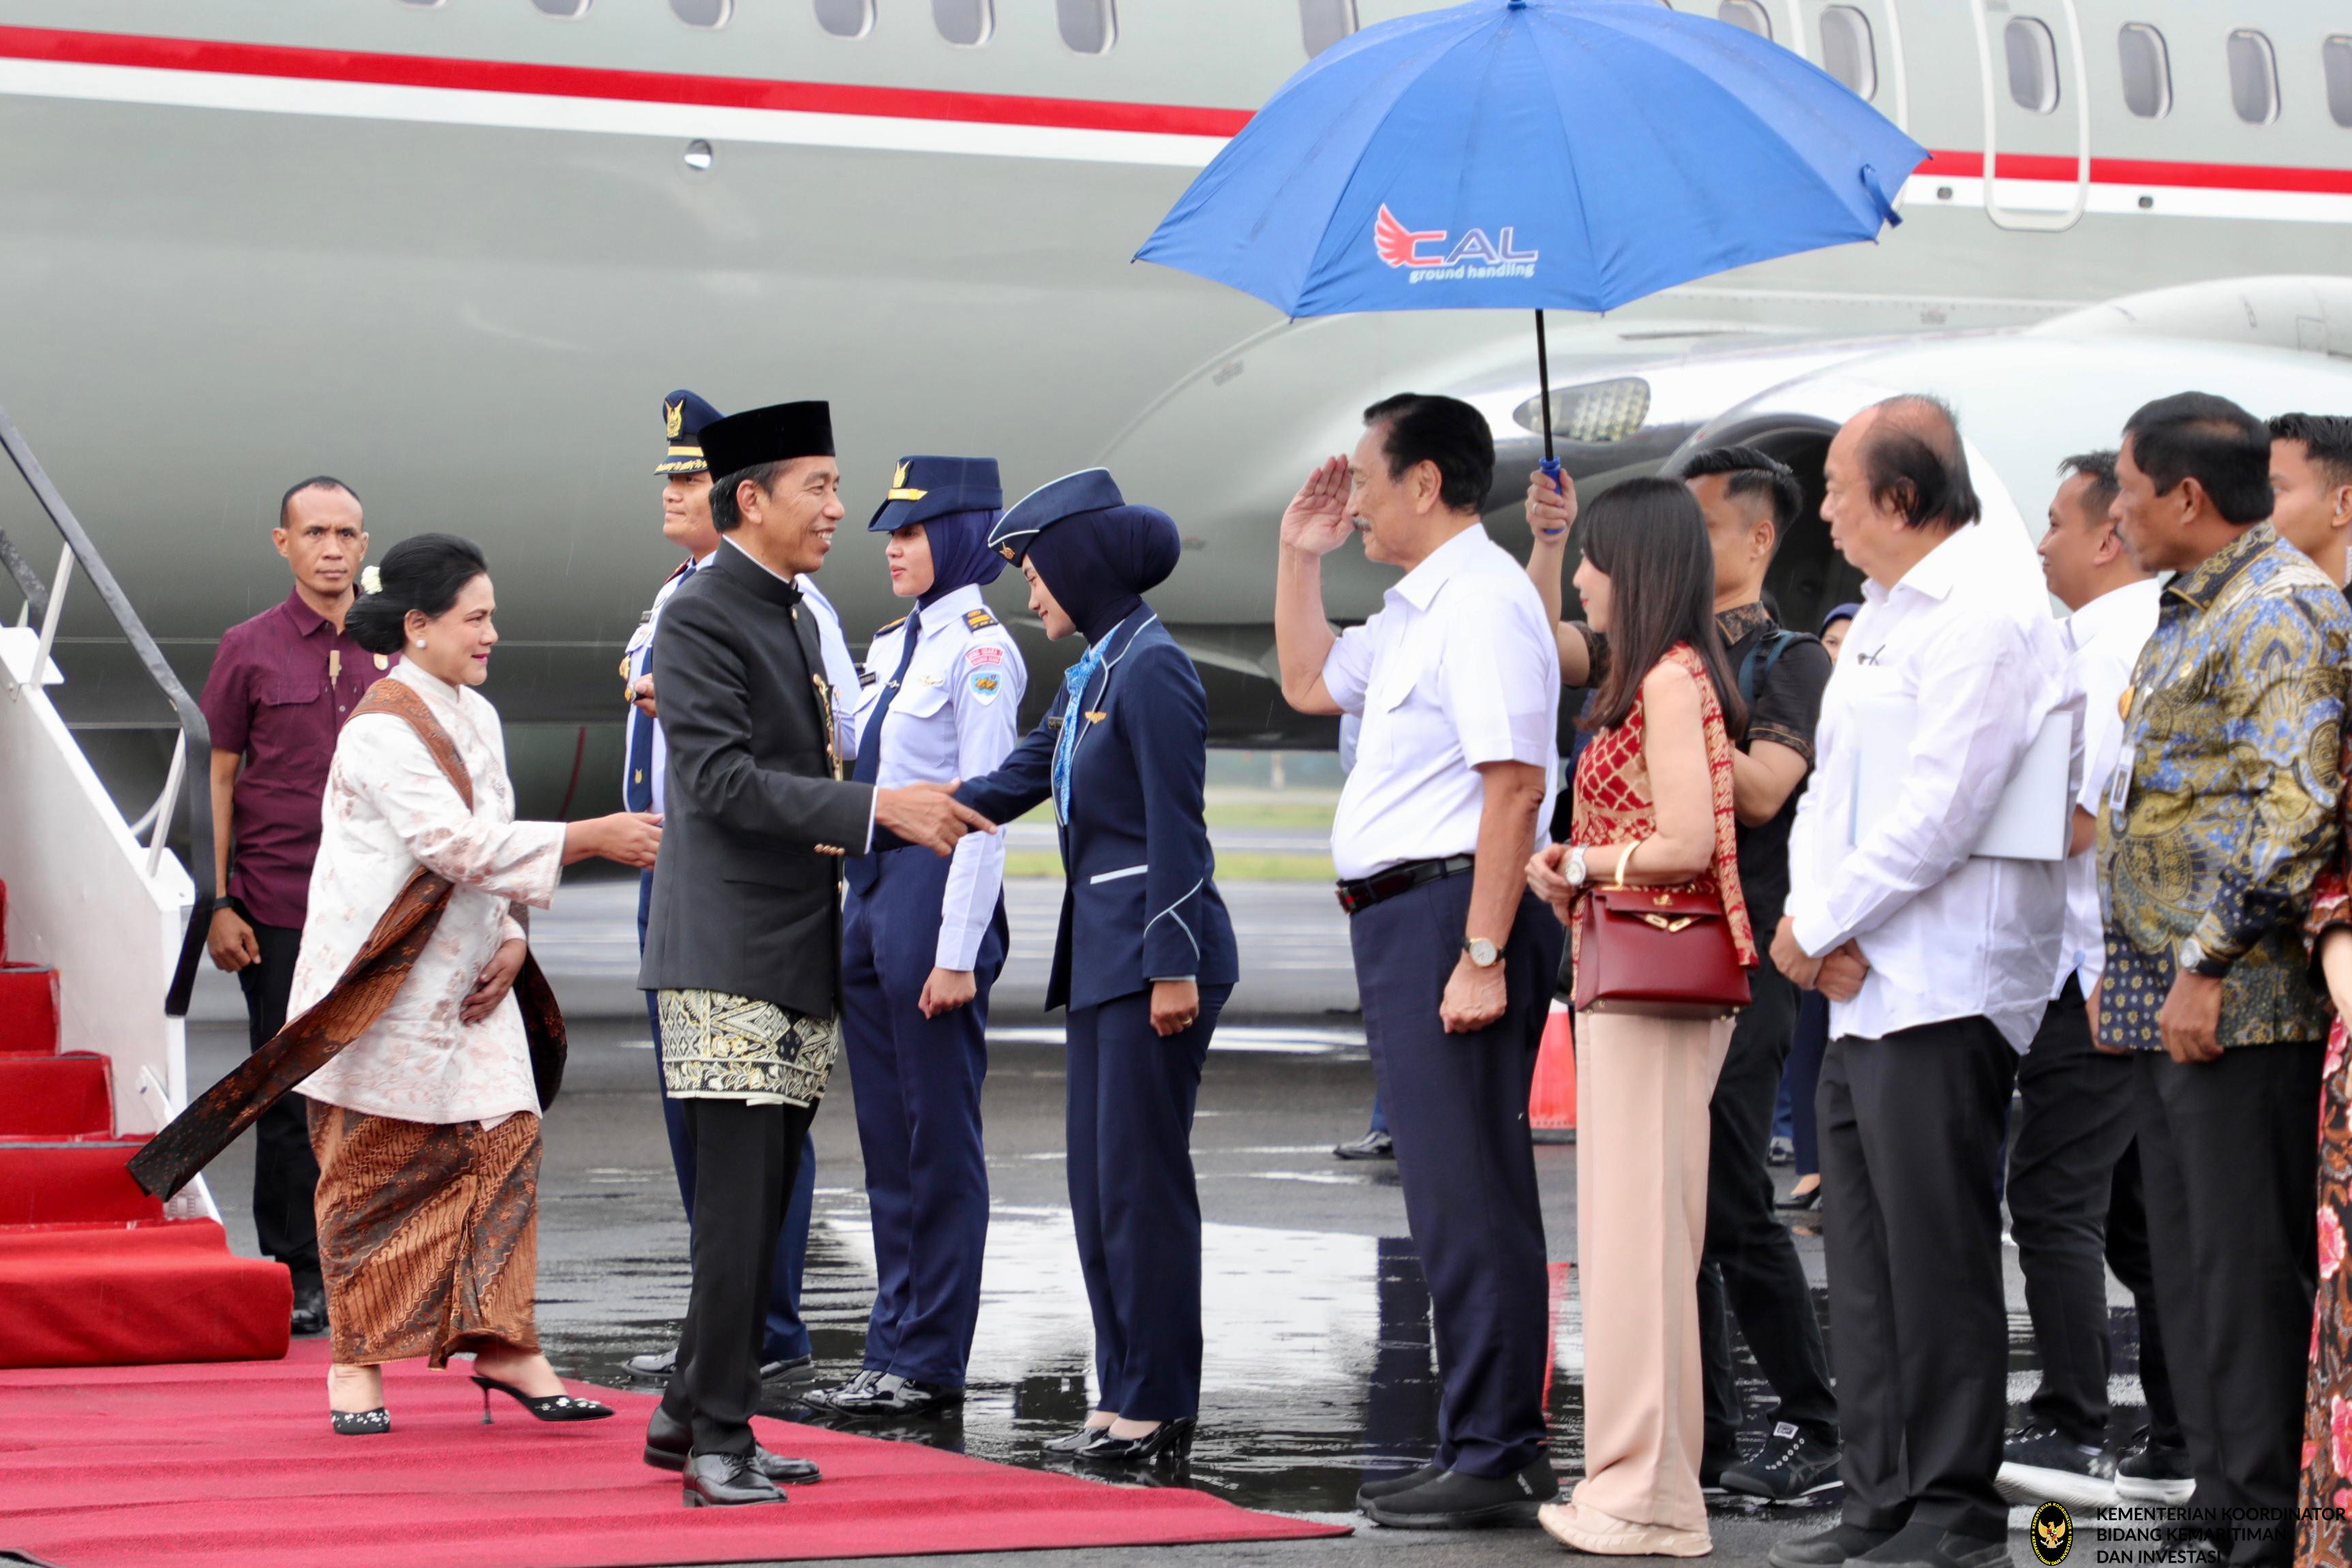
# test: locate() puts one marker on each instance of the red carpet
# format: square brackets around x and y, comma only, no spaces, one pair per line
[234,1464]
[92,1274]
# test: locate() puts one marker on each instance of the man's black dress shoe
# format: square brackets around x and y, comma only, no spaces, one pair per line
[1827,1548]
[891,1395]
[1394,1484]
[1459,1501]
[790,1366]
[1166,1443]
[1932,1546]
[727,1481]
[668,1442]
[309,1311]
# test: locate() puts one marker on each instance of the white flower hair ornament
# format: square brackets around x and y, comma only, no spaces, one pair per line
[371,581]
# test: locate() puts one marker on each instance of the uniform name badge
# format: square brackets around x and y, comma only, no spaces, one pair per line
[2119,786]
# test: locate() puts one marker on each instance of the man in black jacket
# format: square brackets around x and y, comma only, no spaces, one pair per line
[744,939]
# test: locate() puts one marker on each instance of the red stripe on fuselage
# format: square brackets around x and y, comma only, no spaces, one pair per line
[216,57]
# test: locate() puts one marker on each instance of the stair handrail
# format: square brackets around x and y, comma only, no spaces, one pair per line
[192,762]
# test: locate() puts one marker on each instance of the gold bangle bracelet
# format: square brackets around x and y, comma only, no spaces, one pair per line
[1626,858]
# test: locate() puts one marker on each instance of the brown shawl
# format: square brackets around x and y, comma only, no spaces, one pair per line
[359,996]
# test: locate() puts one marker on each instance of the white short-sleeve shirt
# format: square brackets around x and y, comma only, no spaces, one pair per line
[1459,668]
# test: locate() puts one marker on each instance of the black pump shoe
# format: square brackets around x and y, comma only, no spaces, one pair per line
[361,1423]
[546,1406]
[1079,1441]
[1169,1442]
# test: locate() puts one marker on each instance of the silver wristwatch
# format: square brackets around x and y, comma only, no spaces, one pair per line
[1574,869]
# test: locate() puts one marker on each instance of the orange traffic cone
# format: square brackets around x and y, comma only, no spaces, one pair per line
[1551,1104]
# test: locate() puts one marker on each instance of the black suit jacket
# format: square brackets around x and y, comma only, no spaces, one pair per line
[747,891]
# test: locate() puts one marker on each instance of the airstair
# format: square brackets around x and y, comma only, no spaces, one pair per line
[98,950]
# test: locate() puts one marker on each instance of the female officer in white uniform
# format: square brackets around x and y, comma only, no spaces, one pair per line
[923,939]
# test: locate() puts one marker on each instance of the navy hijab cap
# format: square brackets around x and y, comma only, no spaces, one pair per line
[1097,555]
[958,501]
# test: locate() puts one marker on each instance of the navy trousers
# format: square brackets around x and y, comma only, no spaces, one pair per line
[917,1082]
[1457,1106]
[786,1338]
[1132,1199]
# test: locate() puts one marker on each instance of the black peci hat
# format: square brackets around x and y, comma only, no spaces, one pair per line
[777,434]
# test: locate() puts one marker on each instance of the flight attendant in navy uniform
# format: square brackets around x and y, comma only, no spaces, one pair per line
[923,939]
[686,523]
[1145,957]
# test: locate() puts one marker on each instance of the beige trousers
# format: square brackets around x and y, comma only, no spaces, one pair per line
[1642,1090]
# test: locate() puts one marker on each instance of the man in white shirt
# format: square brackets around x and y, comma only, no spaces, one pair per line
[1960,951]
[686,523]
[2073,1174]
[1457,684]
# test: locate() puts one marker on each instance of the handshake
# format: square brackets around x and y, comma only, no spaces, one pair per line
[929,815]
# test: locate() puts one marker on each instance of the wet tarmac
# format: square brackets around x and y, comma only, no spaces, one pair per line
[1318,1368]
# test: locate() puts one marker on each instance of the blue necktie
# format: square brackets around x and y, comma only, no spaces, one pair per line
[868,767]
[639,796]
[1066,743]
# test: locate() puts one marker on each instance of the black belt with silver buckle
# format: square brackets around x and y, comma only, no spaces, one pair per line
[1360,894]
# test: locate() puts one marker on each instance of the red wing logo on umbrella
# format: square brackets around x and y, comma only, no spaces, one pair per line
[1398,244]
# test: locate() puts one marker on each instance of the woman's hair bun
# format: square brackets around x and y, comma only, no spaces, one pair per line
[425,574]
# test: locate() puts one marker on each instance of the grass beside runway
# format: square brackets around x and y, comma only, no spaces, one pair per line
[1295,810]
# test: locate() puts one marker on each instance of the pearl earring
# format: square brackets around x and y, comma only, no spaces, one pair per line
[420,644]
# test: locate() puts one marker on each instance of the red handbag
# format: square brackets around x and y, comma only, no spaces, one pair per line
[1657,952]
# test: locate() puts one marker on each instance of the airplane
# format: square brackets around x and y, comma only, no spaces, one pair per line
[454,251]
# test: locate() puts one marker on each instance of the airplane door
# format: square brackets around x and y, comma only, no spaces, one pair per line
[2037,110]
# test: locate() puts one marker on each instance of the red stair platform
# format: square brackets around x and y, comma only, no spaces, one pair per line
[93,1272]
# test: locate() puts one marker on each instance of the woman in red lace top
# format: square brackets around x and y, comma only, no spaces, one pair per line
[1653,808]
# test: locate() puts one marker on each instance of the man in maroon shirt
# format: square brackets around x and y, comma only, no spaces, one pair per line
[281,686]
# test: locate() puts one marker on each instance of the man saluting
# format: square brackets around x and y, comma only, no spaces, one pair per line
[744,940]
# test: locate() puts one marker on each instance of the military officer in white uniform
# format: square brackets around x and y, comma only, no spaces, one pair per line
[923,939]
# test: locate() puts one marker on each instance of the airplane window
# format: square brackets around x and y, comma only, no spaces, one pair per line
[567,9]
[2033,64]
[1323,22]
[1847,52]
[702,12]
[1744,14]
[1089,26]
[845,18]
[2336,55]
[2147,70]
[2253,77]
[965,23]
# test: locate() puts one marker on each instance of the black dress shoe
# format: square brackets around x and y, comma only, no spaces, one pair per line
[309,1318]
[1931,1546]
[668,1442]
[1166,1443]
[891,1395]
[1085,1437]
[1827,1548]
[1459,1501]
[789,1367]
[1372,1146]
[1392,1485]
[727,1481]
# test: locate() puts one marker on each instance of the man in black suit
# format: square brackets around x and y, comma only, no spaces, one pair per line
[743,943]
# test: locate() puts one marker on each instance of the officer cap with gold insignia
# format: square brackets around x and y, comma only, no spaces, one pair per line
[682,416]
[776,433]
[922,488]
[1073,494]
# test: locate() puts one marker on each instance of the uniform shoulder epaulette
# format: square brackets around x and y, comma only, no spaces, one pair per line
[882,631]
[976,620]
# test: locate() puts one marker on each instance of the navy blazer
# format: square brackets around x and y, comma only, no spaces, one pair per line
[1139,904]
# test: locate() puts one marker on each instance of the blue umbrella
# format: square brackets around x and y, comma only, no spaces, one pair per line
[1527,154]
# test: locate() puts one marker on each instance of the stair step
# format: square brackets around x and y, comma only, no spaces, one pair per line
[95,1295]
[29,1009]
[64,1096]
[63,1182]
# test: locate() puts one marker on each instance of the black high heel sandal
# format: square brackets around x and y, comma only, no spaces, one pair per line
[1170,1442]
[361,1423]
[546,1406]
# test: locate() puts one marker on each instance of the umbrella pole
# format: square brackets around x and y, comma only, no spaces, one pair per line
[1543,375]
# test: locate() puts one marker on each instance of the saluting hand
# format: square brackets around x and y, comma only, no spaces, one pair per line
[1551,513]
[929,814]
[1316,518]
